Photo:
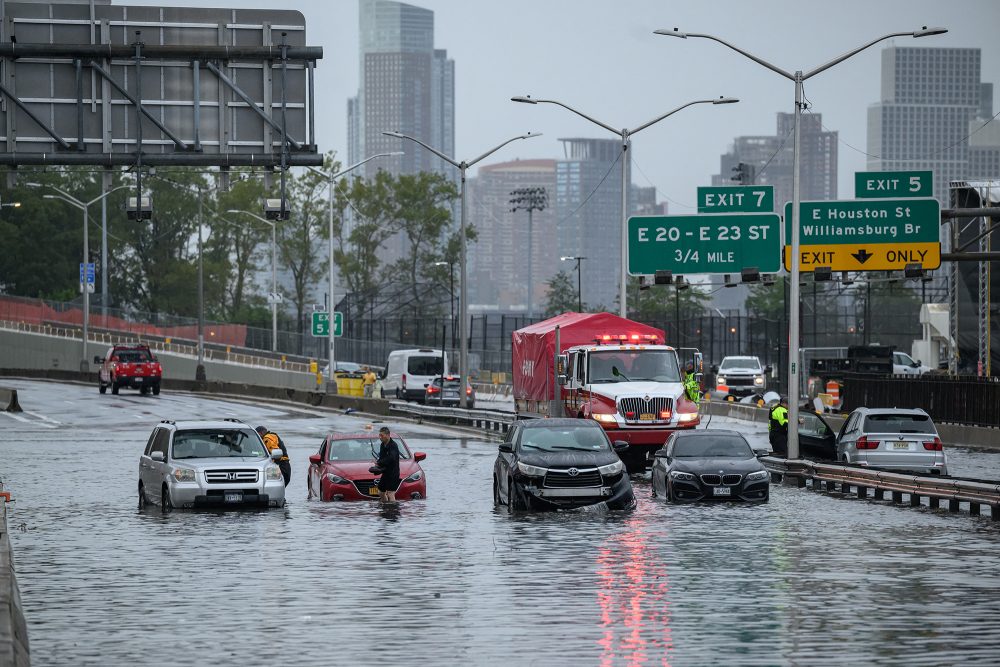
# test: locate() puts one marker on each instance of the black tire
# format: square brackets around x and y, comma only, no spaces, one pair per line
[143,390]
[670,494]
[101,387]
[165,504]
[156,390]
[143,500]
[114,387]
[516,502]
[496,493]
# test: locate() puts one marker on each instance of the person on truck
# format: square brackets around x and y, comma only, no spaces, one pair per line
[691,387]
[273,442]
[777,428]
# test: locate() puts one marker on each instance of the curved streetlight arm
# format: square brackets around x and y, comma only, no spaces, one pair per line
[852,52]
[569,108]
[683,106]
[252,215]
[761,61]
[400,135]
[69,199]
[529,135]
[97,199]
[358,164]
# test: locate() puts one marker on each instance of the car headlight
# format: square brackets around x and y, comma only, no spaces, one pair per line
[721,379]
[604,417]
[336,479]
[272,473]
[612,469]
[687,416]
[683,476]
[415,477]
[184,474]
[759,380]
[531,471]
[760,474]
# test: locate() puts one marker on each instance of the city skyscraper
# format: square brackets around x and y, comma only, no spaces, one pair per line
[405,85]
[931,108]
[771,160]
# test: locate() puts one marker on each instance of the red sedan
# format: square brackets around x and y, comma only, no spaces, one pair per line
[339,471]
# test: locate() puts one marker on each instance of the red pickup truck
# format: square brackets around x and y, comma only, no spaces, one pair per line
[129,366]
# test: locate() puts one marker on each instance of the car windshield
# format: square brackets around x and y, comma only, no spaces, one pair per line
[217,443]
[634,365]
[424,366]
[899,423]
[572,438]
[740,362]
[449,383]
[133,356]
[360,449]
[719,446]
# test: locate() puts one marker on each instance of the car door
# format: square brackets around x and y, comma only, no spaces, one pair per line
[847,435]
[816,435]
[146,463]
[501,468]
[158,469]
[658,475]
[315,477]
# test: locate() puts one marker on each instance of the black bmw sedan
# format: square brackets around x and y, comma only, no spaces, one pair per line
[560,464]
[696,465]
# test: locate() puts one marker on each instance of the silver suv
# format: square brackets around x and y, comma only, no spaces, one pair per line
[204,463]
[893,439]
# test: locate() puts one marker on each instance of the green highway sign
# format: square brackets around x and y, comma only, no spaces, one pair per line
[882,184]
[736,199]
[321,324]
[866,235]
[691,244]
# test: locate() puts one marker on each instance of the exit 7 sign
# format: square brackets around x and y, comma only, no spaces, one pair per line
[736,199]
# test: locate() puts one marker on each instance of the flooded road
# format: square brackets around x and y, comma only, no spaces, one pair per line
[449,580]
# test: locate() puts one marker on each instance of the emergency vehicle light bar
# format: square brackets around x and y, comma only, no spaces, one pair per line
[612,338]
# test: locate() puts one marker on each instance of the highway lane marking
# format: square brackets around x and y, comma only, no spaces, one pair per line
[27,421]
[48,419]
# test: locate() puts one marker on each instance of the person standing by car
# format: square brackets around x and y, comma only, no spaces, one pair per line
[388,461]
[777,428]
[273,442]
[691,387]
[369,382]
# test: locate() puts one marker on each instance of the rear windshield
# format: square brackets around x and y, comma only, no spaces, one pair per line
[425,366]
[360,449]
[721,446]
[217,443]
[449,383]
[899,424]
[572,438]
[133,356]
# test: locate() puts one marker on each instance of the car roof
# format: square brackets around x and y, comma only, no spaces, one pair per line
[371,435]
[557,423]
[704,432]
[191,424]
[893,411]
[741,356]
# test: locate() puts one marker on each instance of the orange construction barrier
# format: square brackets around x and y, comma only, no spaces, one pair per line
[833,389]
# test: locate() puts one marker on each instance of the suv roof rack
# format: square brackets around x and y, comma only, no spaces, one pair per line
[234,419]
[167,421]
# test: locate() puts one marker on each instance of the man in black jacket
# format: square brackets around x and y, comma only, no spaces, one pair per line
[388,461]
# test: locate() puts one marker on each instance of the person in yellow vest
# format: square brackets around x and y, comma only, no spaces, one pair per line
[777,428]
[369,382]
[691,387]
[273,442]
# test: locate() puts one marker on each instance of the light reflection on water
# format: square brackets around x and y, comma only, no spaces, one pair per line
[453,581]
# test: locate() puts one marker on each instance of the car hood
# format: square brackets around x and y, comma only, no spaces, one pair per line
[617,390]
[741,371]
[359,469]
[222,462]
[715,465]
[568,459]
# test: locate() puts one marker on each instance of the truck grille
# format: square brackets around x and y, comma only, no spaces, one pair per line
[231,476]
[561,479]
[739,381]
[645,406]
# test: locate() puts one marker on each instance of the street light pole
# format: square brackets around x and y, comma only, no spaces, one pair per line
[83,206]
[463,299]
[625,135]
[330,381]
[274,273]
[798,77]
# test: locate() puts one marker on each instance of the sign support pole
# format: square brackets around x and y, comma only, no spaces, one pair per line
[793,295]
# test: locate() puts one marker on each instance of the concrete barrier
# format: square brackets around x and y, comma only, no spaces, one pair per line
[8,400]
[13,629]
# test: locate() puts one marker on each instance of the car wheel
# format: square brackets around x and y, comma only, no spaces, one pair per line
[165,504]
[143,390]
[114,387]
[156,390]
[516,501]
[670,494]
[143,501]
[101,387]
[496,493]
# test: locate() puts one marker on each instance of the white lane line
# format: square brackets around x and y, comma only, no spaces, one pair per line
[27,421]
[48,419]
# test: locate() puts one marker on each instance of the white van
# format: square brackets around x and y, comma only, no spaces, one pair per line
[408,372]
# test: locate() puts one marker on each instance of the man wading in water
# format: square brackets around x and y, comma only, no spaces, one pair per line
[388,461]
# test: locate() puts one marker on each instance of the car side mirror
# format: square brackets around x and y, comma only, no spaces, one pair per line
[661,453]
[158,457]
[917,363]
[760,452]
[98,360]
[315,459]
[419,456]
[506,447]
[276,454]
[426,385]
[620,446]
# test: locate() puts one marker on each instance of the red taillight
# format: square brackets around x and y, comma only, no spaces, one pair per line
[433,390]
[934,445]
[864,443]
[404,379]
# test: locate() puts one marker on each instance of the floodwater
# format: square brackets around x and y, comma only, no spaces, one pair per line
[804,579]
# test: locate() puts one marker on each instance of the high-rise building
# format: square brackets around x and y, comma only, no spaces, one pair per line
[770,158]
[405,85]
[932,104]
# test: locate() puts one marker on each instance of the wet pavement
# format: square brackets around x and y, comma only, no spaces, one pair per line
[806,578]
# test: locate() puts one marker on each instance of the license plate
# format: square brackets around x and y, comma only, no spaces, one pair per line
[373,491]
[900,445]
[234,497]
[721,491]
[451,394]
[647,416]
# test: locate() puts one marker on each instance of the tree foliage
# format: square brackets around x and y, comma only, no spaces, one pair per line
[664,302]
[562,296]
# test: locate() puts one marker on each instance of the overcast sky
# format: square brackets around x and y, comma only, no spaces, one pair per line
[602,57]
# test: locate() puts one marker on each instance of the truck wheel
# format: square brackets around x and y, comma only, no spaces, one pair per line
[156,389]
[143,501]
[165,504]
[143,390]
[114,386]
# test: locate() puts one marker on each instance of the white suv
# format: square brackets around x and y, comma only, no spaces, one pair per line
[204,463]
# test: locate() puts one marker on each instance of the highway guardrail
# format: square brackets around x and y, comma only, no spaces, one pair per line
[13,629]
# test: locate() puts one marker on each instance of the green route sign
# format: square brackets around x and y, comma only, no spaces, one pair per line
[882,184]
[736,199]
[321,324]
[866,235]
[692,244]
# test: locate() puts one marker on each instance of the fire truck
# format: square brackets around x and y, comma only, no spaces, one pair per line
[607,368]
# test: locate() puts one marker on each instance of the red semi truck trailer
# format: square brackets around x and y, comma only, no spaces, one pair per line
[617,372]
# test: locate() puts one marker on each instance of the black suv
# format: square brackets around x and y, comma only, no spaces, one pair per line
[560,464]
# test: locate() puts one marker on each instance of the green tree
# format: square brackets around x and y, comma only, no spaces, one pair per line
[232,249]
[768,301]
[663,302]
[562,296]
